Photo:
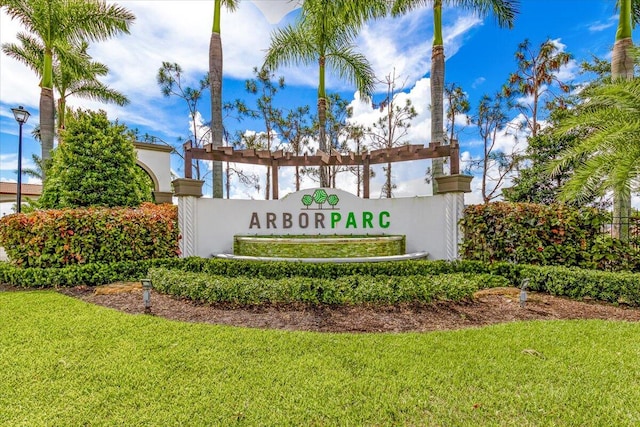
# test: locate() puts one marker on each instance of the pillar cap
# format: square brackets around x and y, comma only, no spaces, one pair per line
[187,187]
[454,184]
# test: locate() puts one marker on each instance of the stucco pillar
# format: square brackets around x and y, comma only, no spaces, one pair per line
[188,191]
[452,188]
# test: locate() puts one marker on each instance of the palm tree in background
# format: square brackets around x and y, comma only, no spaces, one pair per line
[622,67]
[324,34]
[215,81]
[607,154]
[505,12]
[77,76]
[57,24]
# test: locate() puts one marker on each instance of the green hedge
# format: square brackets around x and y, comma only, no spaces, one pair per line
[59,238]
[562,281]
[310,290]
[536,234]
[82,274]
[620,287]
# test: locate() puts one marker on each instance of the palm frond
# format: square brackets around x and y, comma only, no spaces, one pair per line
[291,45]
[354,68]
[30,52]
[504,11]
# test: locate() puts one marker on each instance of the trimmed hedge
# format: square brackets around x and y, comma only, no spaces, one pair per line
[310,290]
[561,281]
[621,287]
[82,274]
[530,233]
[59,238]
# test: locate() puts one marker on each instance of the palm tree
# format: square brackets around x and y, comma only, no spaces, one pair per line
[324,34]
[622,65]
[57,24]
[505,12]
[215,81]
[76,76]
[608,153]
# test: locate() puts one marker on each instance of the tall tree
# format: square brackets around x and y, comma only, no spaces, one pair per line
[505,12]
[622,67]
[295,131]
[537,72]
[215,80]
[57,24]
[324,34]
[391,129]
[77,76]
[264,88]
[170,80]
[457,104]
[495,164]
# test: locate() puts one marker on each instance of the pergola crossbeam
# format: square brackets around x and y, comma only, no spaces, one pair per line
[279,158]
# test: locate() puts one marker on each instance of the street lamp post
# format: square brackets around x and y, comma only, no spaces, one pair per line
[21,116]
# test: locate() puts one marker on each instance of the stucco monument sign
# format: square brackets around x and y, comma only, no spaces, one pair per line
[209,226]
[428,224]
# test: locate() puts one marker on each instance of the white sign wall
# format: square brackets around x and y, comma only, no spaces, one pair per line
[430,224]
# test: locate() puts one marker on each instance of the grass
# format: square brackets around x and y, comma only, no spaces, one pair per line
[67,363]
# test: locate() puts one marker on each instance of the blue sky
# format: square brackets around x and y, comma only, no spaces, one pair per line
[479,58]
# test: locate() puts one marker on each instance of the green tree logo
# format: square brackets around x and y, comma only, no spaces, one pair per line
[333,200]
[307,200]
[320,197]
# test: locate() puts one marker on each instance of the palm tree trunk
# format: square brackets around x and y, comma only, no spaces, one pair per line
[47,126]
[322,123]
[215,80]
[437,91]
[62,107]
[622,68]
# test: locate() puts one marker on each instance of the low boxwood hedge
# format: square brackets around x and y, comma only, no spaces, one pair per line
[572,282]
[353,289]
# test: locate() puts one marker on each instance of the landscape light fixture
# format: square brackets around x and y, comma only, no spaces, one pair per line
[523,292]
[21,116]
[146,294]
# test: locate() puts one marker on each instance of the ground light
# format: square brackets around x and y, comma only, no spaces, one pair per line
[21,116]
[146,294]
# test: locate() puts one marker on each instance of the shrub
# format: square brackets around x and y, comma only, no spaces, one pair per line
[621,287]
[57,238]
[351,289]
[95,165]
[531,234]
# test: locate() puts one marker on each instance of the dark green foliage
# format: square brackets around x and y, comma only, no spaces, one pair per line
[534,184]
[94,165]
[344,290]
[576,283]
[531,233]
[83,274]
[252,282]
[57,238]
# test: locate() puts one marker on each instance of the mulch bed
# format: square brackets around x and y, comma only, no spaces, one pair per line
[488,307]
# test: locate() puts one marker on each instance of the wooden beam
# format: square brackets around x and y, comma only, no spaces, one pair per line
[188,159]
[324,157]
[365,179]
[274,179]
[454,156]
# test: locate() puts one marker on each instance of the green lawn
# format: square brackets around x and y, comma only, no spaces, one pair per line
[67,363]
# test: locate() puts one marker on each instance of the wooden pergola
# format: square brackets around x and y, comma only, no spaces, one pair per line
[275,159]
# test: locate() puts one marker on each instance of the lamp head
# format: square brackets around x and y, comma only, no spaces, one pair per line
[21,115]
